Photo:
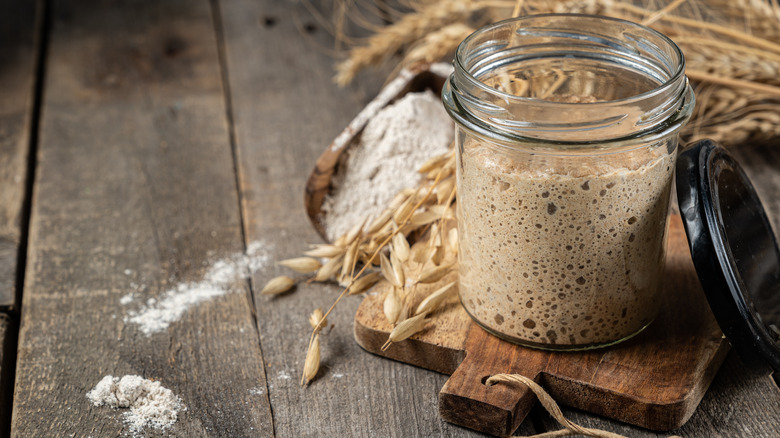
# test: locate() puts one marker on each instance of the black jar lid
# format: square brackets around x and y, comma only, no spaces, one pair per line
[734,251]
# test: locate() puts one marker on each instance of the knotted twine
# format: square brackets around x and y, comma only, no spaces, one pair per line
[552,407]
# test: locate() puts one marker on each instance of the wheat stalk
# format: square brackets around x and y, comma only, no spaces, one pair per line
[409,28]
[729,44]
[437,44]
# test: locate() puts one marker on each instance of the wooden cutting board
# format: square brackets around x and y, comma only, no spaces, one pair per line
[655,380]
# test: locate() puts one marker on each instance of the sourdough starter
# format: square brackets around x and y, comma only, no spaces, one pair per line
[566,257]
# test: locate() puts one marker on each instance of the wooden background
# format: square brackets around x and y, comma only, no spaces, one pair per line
[153,137]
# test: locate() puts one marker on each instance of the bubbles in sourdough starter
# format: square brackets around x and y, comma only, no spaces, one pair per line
[570,259]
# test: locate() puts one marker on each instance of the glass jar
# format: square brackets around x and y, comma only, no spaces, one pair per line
[566,141]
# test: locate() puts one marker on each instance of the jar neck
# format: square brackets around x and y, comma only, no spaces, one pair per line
[568,79]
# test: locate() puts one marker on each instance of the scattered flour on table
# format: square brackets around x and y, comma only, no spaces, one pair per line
[394,144]
[158,314]
[150,404]
[126,299]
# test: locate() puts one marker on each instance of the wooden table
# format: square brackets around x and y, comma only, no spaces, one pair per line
[140,140]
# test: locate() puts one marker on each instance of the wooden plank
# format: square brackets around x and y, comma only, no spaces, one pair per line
[17,78]
[286,111]
[135,192]
[8,328]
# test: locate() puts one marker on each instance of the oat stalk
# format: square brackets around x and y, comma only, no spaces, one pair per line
[434,300]
[368,263]
[405,329]
[278,285]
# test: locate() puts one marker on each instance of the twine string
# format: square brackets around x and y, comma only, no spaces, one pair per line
[551,406]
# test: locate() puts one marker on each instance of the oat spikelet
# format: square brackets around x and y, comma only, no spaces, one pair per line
[446,170]
[329,269]
[312,363]
[364,283]
[387,270]
[452,240]
[390,39]
[324,251]
[401,247]
[433,163]
[438,255]
[421,253]
[434,300]
[402,214]
[278,285]
[398,269]
[442,211]
[434,274]
[366,250]
[380,221]
[404,311]
[304,265]
[423,218]
[317,320]
[405,329]
[445,189]
[392,305]
[350,235]
[435,238]
[350,260]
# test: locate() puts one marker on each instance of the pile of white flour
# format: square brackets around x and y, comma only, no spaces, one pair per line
[157,315]
[150,404]
[393,145]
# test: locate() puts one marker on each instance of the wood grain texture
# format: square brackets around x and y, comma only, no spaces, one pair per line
[17,79]
[738,404]
[135,193]
[655,380]
[286,111]
[8,332]
[441,347]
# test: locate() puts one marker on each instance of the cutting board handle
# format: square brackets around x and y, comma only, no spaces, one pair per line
[499,409]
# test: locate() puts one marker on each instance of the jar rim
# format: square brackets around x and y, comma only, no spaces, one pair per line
[635,74]
[674,77]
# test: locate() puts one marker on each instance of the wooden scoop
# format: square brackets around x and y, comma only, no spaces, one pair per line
[421,78]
